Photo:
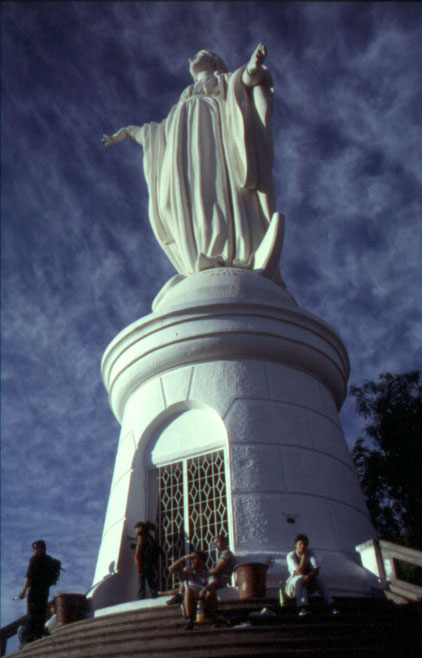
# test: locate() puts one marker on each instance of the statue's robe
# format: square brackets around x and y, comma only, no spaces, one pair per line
[208,168]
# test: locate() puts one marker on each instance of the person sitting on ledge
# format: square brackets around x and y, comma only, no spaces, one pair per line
[304,577]
[196,586]
[51,623]
[221,572]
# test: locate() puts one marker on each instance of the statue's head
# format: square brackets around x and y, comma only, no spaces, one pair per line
[206,60]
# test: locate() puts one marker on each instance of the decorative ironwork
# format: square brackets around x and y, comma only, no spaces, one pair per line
[191,507]
[207,501]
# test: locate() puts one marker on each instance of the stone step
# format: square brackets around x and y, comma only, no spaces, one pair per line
[244,642]
[159,633]
[171,616]
[174,628]
[176,625]
[132,641]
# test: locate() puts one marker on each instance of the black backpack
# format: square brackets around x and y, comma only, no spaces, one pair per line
[152,553]
[53,571]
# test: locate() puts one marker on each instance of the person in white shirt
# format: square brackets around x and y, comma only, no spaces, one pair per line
[51,623]
[304,577]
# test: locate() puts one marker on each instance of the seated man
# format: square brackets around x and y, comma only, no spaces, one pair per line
[304,577]
[223,570]
[51,623]
[195,578]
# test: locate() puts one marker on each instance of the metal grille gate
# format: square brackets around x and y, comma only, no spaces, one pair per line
[189,502]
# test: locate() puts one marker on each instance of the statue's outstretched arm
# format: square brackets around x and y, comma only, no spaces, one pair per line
[134,132]
[253,72]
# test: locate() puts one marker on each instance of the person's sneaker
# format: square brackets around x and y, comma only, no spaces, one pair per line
[334,612]
[304,612]
[189,626]
[175,599]
[244,624]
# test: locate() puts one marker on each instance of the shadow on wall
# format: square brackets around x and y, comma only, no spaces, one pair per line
[114,588]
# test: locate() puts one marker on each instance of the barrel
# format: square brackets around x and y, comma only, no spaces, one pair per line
[251,578]
[70,607]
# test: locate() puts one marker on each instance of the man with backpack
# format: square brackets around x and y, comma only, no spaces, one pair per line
[43,572]
[147,557]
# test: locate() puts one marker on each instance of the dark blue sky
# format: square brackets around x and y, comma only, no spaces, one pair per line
[79,261]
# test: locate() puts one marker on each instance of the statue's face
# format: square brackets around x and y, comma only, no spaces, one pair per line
[202,61]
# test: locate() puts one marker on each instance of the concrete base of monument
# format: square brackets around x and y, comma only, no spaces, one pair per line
[228,364]
[223,313]
[219,285]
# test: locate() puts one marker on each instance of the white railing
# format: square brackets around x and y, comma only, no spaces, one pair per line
[379,556]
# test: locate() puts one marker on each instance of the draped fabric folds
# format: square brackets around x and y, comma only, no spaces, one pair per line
[208,168]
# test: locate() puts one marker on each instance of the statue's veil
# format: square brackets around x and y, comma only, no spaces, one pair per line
[219,63]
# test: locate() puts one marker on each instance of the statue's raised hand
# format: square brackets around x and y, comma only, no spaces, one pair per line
[108,140]
[257,58]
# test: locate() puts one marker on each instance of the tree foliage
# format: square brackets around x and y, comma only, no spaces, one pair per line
[388,455]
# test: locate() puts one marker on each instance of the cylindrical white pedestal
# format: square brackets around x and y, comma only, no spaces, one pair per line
[228,359]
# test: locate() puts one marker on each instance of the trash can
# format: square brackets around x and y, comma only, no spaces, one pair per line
[70,608]
[251,579]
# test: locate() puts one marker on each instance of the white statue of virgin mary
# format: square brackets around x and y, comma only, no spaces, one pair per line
[208,168]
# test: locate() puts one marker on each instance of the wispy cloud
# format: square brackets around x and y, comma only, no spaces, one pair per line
[79,259]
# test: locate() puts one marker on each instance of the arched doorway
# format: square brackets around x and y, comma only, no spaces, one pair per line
[188,486]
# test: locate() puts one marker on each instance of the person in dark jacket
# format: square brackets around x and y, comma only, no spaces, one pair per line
[37,584]
[147,557]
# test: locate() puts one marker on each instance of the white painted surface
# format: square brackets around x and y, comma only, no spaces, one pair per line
[228,358]
[190,432]
[368,556]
